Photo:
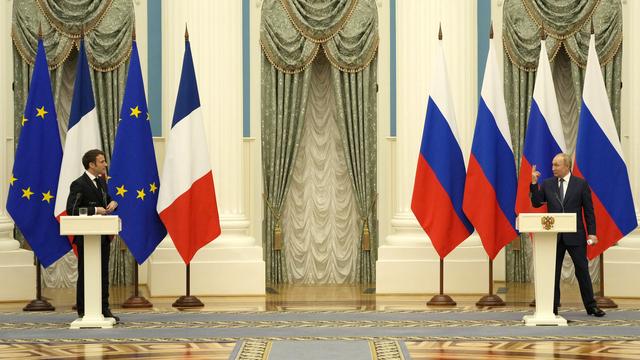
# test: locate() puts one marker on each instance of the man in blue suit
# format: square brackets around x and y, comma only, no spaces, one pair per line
[566,193]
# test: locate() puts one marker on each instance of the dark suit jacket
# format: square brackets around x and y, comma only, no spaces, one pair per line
[91,197]
[576,200]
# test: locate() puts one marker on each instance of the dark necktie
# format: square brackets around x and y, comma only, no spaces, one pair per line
[102,193]
[562,190]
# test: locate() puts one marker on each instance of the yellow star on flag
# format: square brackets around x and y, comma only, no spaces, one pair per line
[47,196]
[135,112]
[12,179]
[121,190]
[27,193]
[41,112]
[141,194]
[153,187]
[24,119]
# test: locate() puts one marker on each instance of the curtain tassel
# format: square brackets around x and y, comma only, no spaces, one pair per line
[366,236]
[277,237]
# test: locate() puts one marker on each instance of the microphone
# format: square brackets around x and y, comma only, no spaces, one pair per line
[75,202]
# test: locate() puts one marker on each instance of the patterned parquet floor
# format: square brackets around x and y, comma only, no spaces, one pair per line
[318,298]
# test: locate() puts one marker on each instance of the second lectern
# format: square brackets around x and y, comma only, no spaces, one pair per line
[92,228]
[545,228]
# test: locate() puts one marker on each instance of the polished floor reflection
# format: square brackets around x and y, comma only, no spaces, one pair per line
[325,298]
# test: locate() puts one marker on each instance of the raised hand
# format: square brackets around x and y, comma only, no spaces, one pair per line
[535,175]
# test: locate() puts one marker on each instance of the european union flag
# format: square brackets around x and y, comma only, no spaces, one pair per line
[34,181]
[134,173]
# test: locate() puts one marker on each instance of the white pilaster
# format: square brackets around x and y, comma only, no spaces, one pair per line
[407,250]
[231,264]
[624,259]
[16,265]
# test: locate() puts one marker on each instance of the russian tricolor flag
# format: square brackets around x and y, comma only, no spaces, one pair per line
[440,176]
[490,188]
[599,160]
[83,133]
[544,138]
[187,201]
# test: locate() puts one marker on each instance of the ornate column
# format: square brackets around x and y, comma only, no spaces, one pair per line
[231,264]
[623,259]
[407,250]
[16,265]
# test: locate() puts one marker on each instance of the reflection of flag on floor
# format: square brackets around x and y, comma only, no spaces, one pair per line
[440,176]
[599,160]
[134,179]
[490,187]
[83,133]
[36,168]
[187,201]
[544,138]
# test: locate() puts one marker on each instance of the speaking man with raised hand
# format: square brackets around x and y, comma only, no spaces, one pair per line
[566,193]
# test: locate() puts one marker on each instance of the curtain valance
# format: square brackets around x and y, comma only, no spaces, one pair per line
[106,24]
[293,31]
[567,23]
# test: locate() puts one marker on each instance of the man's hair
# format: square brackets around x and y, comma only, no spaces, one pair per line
[567,159]
[90,157]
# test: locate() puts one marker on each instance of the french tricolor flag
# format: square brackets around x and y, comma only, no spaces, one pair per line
[544,138]
[83,133]
[187,200]
[490,188]
[599,160]
[440,176]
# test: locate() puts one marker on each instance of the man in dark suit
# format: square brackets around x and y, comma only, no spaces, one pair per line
[566,193]
[90,191]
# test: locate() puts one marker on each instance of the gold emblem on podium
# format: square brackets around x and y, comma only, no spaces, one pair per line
[547,222]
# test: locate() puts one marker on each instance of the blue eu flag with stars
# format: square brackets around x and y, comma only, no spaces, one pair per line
[134,181]
[36,168]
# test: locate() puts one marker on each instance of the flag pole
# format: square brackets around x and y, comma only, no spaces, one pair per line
[136,301]
[39,304]
[188,301]
[442,298]
[490,299]
[603,301]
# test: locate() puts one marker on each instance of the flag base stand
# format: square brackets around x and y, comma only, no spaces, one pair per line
[605,302]
[441,300]
[137,302]
[187,301]
[39,305]
[490,300]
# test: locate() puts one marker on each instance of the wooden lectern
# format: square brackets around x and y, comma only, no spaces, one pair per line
[92,228]
[545,228]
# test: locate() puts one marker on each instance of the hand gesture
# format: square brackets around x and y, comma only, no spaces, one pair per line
[535,175]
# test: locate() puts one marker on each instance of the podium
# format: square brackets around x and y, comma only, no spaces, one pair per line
[92,228]
[545,228]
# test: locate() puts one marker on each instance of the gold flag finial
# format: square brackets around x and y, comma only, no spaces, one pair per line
[592,29]
[186,32]
[543,34]
[440,31]
[39,31]
[491,30]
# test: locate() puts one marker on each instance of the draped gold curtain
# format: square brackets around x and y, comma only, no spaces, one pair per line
[292,32]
